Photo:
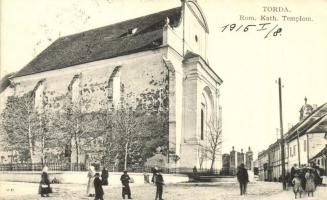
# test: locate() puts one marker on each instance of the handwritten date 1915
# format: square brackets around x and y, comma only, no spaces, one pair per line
[267,27]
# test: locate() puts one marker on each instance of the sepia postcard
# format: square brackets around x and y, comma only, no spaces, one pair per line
[163,99]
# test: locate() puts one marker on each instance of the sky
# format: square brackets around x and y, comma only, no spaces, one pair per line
[248,63]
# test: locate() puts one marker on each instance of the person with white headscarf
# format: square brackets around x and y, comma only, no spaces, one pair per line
[44,187]
[90,191]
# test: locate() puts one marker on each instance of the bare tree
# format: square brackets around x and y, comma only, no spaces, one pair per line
[126,128]
[214,140]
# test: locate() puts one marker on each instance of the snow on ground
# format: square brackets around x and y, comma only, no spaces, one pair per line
[189,191]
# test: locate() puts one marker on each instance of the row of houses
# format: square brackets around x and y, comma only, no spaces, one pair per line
[305,143]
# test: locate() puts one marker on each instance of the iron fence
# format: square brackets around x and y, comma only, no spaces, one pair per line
[63,166]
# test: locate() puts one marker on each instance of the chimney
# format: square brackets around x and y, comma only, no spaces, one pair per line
[314,106]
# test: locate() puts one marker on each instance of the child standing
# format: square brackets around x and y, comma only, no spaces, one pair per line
[297,188]
[310,183]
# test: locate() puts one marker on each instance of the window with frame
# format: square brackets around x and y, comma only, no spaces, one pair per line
[294,150]
[290,151]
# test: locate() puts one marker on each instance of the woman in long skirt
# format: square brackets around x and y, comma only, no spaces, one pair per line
[310,183]
[90,185]
[44,187]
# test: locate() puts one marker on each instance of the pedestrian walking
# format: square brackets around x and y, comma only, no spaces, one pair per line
[154,174]
[98,187]
[195,173]
[297,185]
[310,183]
[243,178]
[44,187]
[104,176]
[126,190]
[159,181]
[316,175]
[90,183]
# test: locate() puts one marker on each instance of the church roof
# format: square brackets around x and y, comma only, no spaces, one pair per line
[118,39]
[4,82]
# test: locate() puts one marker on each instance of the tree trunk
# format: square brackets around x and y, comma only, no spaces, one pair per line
[42,150]
[76,147]
[213,161]
[126,154]
[30,143]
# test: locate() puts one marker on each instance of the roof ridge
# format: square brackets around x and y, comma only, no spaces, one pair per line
[103,42]
[118,23]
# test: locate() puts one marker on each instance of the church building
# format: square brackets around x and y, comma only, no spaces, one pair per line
[161,55]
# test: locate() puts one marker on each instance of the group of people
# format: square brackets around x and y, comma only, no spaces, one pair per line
[95,183]
[94,186]
[304,180]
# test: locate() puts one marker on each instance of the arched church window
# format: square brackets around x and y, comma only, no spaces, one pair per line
[74,88]
[114,87]
[75,91]
[39,95]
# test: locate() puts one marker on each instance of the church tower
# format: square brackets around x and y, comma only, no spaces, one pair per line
[305,110]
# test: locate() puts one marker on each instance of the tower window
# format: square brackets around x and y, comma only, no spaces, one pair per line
[196,38]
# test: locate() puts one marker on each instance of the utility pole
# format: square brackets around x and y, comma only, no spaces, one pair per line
[281,132]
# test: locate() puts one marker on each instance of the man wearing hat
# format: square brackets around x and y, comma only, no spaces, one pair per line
[125,183]
[159,181]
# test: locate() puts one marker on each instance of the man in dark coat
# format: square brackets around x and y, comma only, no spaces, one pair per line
[98,187]
[243,178]
[125,183]
[104,176]
[159,183]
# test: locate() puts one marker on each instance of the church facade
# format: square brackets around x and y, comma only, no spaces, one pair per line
[157,61]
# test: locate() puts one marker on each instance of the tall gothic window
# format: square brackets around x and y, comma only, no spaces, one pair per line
[39,95]
[114,88]
[74,89]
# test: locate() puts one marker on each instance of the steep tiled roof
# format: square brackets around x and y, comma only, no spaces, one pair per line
[320,126]
[314,119]
[4,82]
[323,152]
[122,38]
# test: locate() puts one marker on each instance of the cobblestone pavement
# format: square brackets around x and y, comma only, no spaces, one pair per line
[189,191]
